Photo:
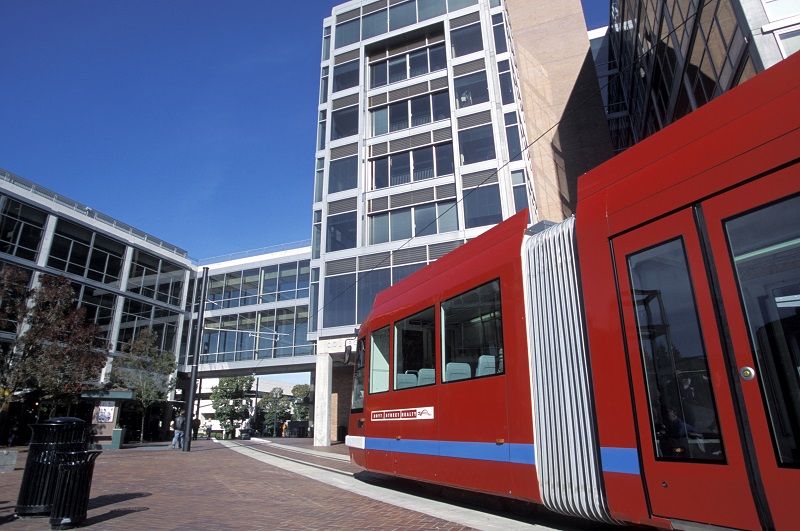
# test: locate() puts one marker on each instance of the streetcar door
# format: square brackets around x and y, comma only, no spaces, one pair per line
[691,450]
[754,235]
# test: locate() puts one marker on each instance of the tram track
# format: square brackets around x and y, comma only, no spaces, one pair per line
[280,453]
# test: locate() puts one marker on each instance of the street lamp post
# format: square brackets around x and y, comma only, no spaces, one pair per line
[198,338]
[255,404]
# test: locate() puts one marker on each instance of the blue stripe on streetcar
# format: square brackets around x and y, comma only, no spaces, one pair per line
[622,460]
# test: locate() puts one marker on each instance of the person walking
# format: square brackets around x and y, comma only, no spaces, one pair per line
[178,426]
[195,427]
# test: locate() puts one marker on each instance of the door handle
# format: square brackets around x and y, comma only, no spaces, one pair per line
[747,373]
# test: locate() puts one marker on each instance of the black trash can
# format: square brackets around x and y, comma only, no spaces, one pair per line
[60,434]
[73,484]
[244,434]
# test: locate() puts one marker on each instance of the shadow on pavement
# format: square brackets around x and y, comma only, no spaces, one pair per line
[110,499]
[110,515]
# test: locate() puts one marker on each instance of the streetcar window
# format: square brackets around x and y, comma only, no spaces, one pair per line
[766,254]
[414,350]
[472,341]
[358,378]
[682,408]
[379,361]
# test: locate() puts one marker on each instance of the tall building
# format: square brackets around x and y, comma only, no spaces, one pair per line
[672,57]
[425,109]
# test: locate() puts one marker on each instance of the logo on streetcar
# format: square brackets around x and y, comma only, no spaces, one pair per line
[419,413]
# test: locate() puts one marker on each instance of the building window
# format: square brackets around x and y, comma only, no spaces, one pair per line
[412,64]
[512,137]
[418,164]
[345,75]
[21,229]
[419,220]
[343,174]
[482,206]
[326,44]
[455,5]
[472,334]
[323,85]
[476,144]
[402,15]
[431,8]
[466,40]
[519,189]
[341,232]
[410,113]
[370,283]
[499,30]
[321,133]
[316,234]
[471,89]
[506,84]
[348,32]
[373,24]
[379,361]
[340,301]
[344,122]
[318,176]
[414,352]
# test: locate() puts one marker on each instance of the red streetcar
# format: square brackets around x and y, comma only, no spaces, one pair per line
[637,363]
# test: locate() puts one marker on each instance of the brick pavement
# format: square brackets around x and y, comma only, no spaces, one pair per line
[214,488]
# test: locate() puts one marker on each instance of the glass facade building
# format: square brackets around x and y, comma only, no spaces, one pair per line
[419,145]
[125,279]
[670,57]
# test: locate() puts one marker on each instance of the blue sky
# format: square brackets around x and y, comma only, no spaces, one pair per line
[191,120]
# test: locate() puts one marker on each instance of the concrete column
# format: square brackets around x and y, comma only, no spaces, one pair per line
[182,323]
[116,320]
[322,400]
[47,240]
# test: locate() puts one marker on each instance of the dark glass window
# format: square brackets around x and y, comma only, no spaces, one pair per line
[401,224]
[398,70]
[373,24]
[477,144]
[414,356]
[444,159]
[341,232]
[348,32]
[401,272]
[514,146]
[681,402]
[471,89]
[423,163]
[379,228]
[377,74]
[340,301]
[380,121]
[441,106]
[398,116]
[401,15]
[766,256]
[466,40]
[420,110]
[506,88]
[370,283]
[418,63]
[472,334]
[431,8]
[381,173]
[400,169]
[437,58]
[345,75]
[425,219]
[482,206]
[343,174]
[344,122]
[500,45]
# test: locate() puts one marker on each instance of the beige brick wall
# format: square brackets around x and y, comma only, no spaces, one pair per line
[558,84]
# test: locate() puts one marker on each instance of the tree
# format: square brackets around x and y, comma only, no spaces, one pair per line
[55,350]
[145,370]
[228,401]
[14,295]
[301,393]
[276,408]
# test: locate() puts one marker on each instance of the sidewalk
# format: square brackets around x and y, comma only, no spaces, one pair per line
[213,487]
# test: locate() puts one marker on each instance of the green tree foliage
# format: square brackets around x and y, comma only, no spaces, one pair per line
[276,409]
[301,394]
[55,350]
[145,370]
[229,402]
